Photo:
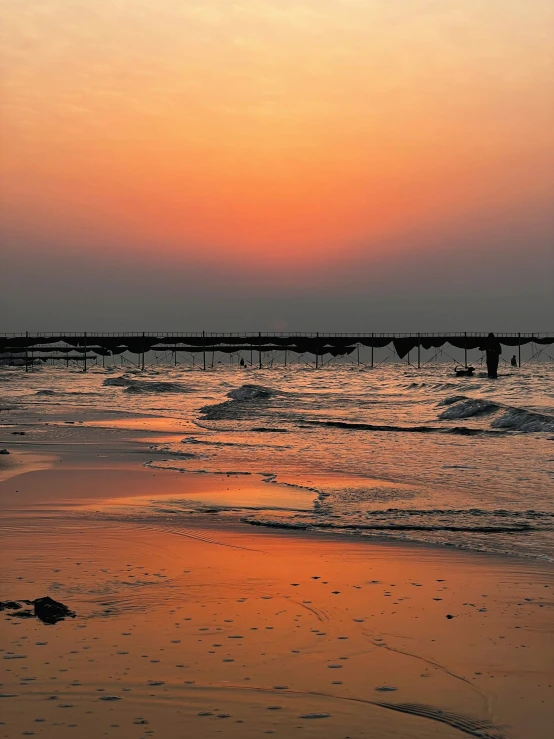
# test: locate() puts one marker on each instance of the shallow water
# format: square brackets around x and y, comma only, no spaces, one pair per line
[391,451]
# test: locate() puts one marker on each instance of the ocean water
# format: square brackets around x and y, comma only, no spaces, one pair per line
[390,452]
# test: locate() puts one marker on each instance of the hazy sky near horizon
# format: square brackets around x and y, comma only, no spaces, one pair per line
[271,164]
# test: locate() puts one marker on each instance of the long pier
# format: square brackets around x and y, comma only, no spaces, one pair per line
[257,348]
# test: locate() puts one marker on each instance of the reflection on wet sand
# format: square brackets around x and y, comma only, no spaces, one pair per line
[273,632]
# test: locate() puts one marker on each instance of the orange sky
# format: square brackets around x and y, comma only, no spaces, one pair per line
[272,132]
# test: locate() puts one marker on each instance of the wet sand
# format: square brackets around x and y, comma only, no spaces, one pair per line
[190,625]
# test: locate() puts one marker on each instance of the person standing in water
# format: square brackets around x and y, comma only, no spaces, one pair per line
[493,350]
[514,361]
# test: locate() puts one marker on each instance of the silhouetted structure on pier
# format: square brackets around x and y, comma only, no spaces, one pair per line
[30,347]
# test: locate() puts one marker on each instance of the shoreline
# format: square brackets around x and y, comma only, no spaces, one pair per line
[240,630]
[128,457]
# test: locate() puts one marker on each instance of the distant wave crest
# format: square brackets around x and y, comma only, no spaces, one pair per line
[468,408]
[511,419]
[250,392]
[240,404]
[519,419]
[460,430]
[132,385]
[156,387]
[119,381]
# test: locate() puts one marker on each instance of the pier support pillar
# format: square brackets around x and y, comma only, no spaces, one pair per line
[317,350]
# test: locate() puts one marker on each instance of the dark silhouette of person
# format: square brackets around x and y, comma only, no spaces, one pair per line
[493,351]
[514,361]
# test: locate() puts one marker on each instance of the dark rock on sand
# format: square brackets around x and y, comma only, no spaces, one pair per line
[9,605]
[50,611]
[4,451]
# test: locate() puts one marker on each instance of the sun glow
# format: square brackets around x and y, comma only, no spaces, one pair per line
[275,133]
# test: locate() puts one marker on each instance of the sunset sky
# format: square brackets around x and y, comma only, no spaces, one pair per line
[319,164]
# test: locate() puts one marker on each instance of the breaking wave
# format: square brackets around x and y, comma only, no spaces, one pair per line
[519,419]
[452,399]
[460,430]
[241,399]
[132,385]
[512,419]
[250,392]
[142,386]
[120,381]
[467,408]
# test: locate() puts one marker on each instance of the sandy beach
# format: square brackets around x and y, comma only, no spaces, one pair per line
[213,628]
[254,574]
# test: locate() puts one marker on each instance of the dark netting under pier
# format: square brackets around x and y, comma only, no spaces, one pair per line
[30,346]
